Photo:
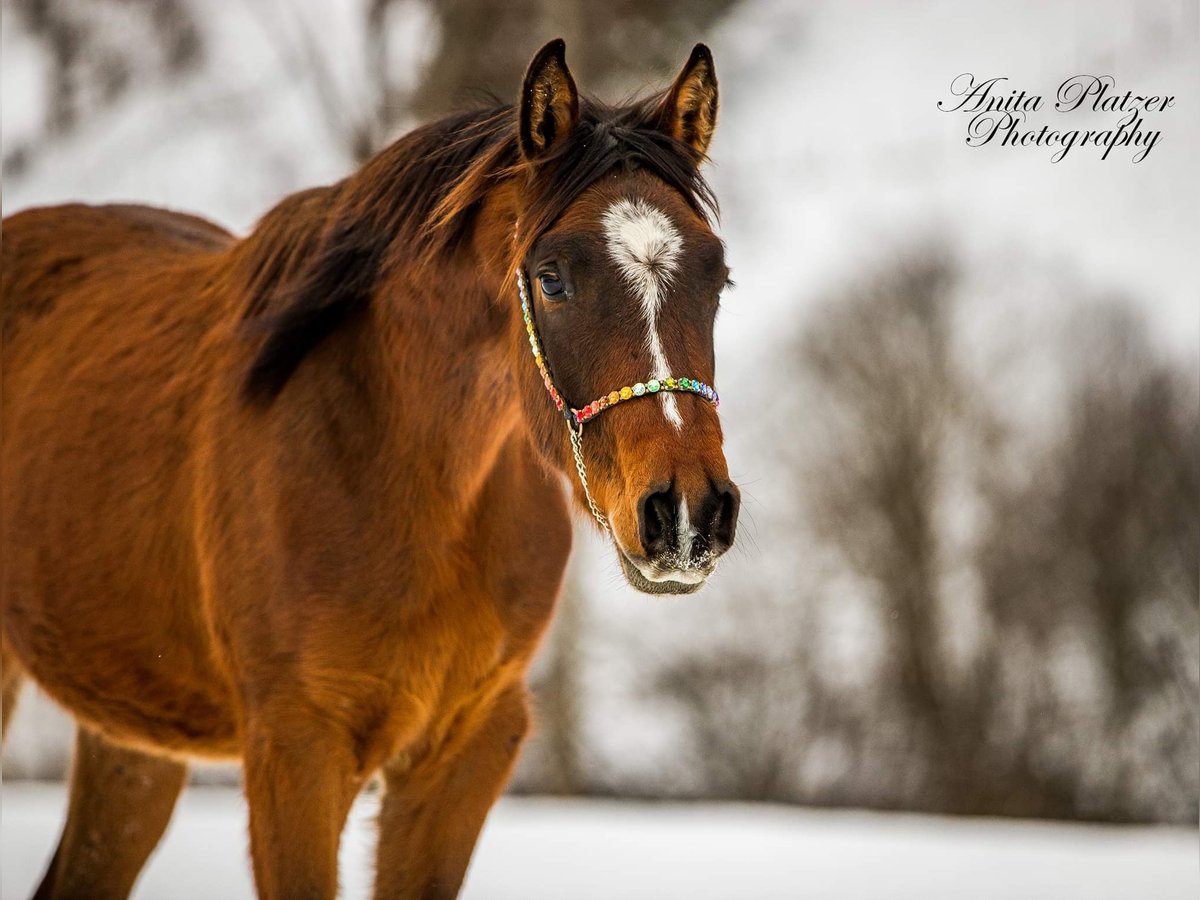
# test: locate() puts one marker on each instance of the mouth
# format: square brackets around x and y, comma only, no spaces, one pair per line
[649,580]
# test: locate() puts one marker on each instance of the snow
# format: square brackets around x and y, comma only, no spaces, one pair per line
[533,848]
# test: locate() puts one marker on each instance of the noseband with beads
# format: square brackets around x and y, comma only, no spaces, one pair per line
[577,418]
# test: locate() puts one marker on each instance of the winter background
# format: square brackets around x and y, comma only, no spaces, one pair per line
[960,393]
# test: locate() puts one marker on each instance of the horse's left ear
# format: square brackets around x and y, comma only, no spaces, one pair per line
[689,112]
[549,101]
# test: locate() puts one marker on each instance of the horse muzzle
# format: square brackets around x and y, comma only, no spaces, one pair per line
[682,535]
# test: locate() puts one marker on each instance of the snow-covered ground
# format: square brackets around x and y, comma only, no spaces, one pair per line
[589,849]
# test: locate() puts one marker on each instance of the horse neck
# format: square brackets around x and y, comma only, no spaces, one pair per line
[423,381]
[444,347]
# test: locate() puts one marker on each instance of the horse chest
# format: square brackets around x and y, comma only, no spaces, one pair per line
[471,642]
[443,676]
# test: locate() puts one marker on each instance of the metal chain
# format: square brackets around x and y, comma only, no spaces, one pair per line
[581,468]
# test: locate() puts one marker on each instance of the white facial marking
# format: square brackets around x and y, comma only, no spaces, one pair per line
[646,245]
[686,533]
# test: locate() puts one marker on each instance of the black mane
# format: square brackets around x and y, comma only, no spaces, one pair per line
[424,191]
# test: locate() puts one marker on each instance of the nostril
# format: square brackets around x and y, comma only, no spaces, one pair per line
[656,520]
[725,514]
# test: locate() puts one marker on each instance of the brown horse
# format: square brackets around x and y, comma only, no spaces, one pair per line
[299,498]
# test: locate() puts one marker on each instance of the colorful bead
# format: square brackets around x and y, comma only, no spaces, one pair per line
[641,389]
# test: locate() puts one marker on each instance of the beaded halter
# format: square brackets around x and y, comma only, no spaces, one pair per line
[577,418]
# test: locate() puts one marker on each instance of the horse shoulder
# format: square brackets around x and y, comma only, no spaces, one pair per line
[523,541]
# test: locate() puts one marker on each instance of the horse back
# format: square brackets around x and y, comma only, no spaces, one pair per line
[49,250]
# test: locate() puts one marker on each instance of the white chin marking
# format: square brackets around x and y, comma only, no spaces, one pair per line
[679,576]
[645,244]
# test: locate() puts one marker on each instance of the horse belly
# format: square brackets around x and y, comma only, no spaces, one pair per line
[135,698]
[100,589]
[132,664]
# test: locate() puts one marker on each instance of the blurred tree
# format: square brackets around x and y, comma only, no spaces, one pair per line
[613,48]
[883,361]
[892,404]
[479,49]
[743,711]
[97,50]
[1104,539]
[1088,557]
[1042,662]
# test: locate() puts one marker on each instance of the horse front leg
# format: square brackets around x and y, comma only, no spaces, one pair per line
[121,801]
[430,819]
[301,776]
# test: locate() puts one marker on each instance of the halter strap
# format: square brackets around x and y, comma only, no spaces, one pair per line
[577,418]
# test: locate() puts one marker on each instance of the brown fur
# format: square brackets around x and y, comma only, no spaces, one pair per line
[296,499]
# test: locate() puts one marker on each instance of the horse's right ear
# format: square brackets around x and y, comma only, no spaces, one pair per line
[549,101]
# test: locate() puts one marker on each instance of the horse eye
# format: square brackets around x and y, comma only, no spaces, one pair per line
[551,284]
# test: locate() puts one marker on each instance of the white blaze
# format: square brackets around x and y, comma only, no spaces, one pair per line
[686,534]
[645,244]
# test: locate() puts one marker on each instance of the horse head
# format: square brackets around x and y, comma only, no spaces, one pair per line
[620,276]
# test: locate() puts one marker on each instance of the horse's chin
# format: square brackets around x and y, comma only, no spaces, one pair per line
[638,580]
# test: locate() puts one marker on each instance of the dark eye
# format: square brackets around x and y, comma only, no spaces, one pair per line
[551,284]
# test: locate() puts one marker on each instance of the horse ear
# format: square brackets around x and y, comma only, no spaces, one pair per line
[689,112]
[549,101]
